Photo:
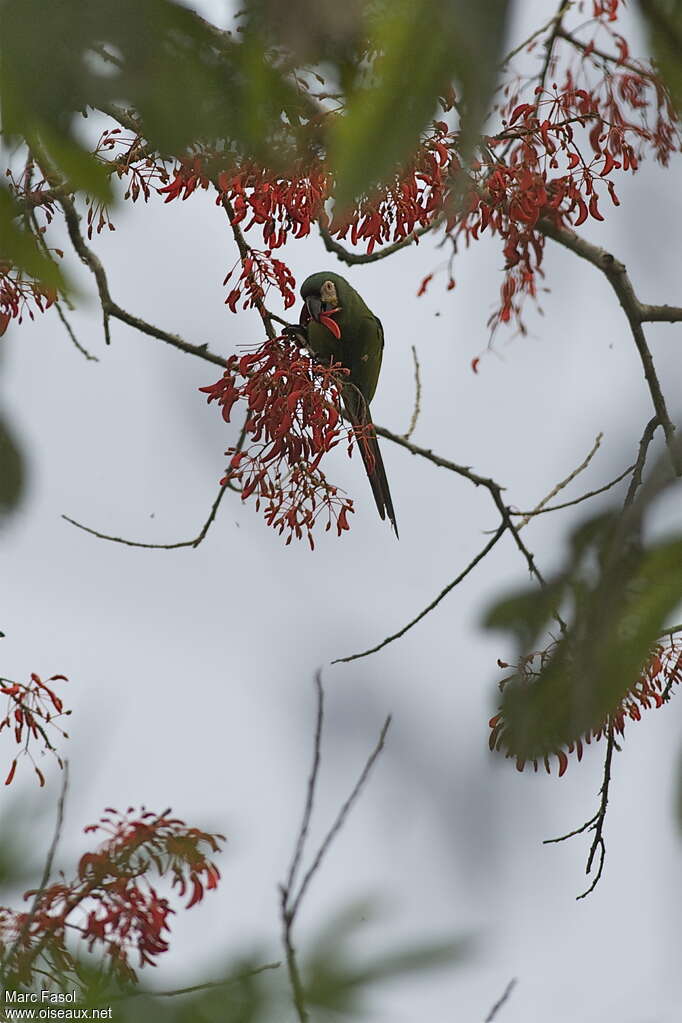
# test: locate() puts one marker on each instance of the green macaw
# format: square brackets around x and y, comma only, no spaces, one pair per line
[340,327]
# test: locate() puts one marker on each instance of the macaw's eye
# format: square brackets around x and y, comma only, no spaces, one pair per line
[328,293]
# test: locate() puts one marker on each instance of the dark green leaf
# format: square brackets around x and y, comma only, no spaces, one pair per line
[424,45]
[664,18]
[12,472]
[19,248]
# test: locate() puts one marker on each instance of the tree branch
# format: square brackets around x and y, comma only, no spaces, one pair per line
[358,258]
[616,275]
[159,546]
[560,486]
[290,900]
[434,603]
[501,1001]
[417,396]
[207,986]
[577,500]
[111,308]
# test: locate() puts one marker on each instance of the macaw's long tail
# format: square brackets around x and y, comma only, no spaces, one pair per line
[366,438]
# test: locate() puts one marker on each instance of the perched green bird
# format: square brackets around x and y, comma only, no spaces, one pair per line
[339,327]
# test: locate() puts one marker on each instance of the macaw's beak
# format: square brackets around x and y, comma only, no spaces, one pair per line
[314,304]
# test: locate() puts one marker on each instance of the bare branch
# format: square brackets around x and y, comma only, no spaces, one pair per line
[501,1001]
[47,870]
[341,817]
[417,396]
[207,986]
[637,67]
[595,823]
[69,330]
[578,500]
[560,486]
[660,313]
[616,274]
[109,307]
[312,782]
[431,456]
[290,901]
[556,24]
[357,258]
[434,603]
[158,546]
[638,468]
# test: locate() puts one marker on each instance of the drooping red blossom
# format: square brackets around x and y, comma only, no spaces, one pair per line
[20,296]
[652,689]
[259,272]
[111,905]
[293,420]
[33,713]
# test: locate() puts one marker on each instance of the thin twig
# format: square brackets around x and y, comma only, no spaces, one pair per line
[111,309]
[47,869]
[290,900]
[358,258]
[434,603]
[564,483]
[637,67]
[598,844]
[595,823]
[70,332]
[417,395]
[617,276]
[312,783]
[501,1001]
[209,985]
[578,500]
[157,546]
[549,44]
[341,816]
[638,468]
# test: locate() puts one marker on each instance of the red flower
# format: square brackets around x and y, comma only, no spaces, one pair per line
[293,421]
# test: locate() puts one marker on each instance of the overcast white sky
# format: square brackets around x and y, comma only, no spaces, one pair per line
[191,670]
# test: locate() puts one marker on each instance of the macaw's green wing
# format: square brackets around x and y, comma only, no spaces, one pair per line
[363,352]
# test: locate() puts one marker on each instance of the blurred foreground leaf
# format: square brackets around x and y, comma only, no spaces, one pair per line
[616,597]
[423,45]
[12,473]
[338,981]
[664,20]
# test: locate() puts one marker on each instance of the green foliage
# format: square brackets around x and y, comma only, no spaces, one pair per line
[424,46]
[20,248]
[664,19]
[334,982]
[617,597]
[11,469]
[189,82]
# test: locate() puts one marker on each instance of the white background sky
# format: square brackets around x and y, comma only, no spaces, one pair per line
[191,671]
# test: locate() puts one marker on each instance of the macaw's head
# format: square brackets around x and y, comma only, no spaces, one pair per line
[322,294]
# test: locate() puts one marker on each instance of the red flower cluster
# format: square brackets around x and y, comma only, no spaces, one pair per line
[292,422]
[652,689]
[134,162]
[258,274]
[414,199]
[280,206]
[32,709]
[143,172]
[19,296]
[111,905]
[289,206]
